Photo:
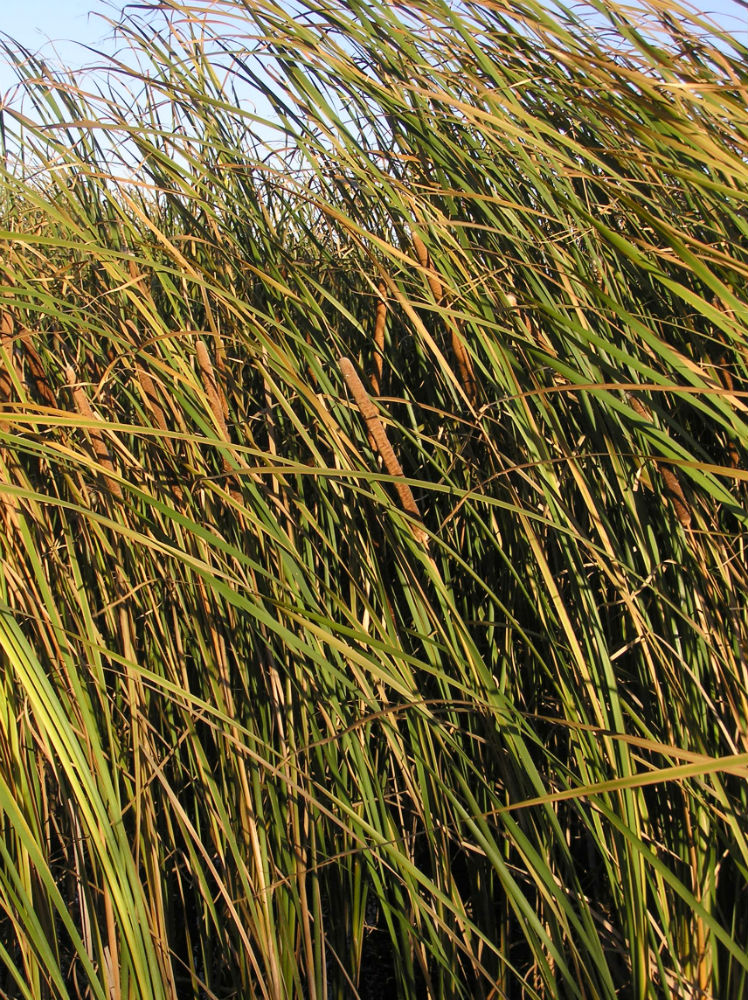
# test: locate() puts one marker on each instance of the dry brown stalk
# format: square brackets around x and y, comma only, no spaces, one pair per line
[101,452]
[379,326]
[378,435]
[464,363]
[669,476]
[212,389]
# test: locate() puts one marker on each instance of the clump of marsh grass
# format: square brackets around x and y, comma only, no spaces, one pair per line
[261,741]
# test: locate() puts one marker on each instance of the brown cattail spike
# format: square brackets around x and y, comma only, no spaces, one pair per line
[218,406]
[151,398]
[674,488]
[212,389]
[424,259]
[465,366]
[9,504]
[7,328]
[669,476]
[101,452]
[137,278]
[638,407]
[464,362]
[37,375]
[379,326]
[378,435]
[725,376]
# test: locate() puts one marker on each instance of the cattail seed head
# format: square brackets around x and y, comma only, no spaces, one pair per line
[378,435]
[379,327]
[212,389]
[83,406]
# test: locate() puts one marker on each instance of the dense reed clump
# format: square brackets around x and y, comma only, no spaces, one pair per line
[434,688]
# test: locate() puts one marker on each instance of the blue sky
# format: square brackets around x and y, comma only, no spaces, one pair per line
[34,22]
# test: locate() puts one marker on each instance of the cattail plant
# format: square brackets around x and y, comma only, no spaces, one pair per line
[253,743]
